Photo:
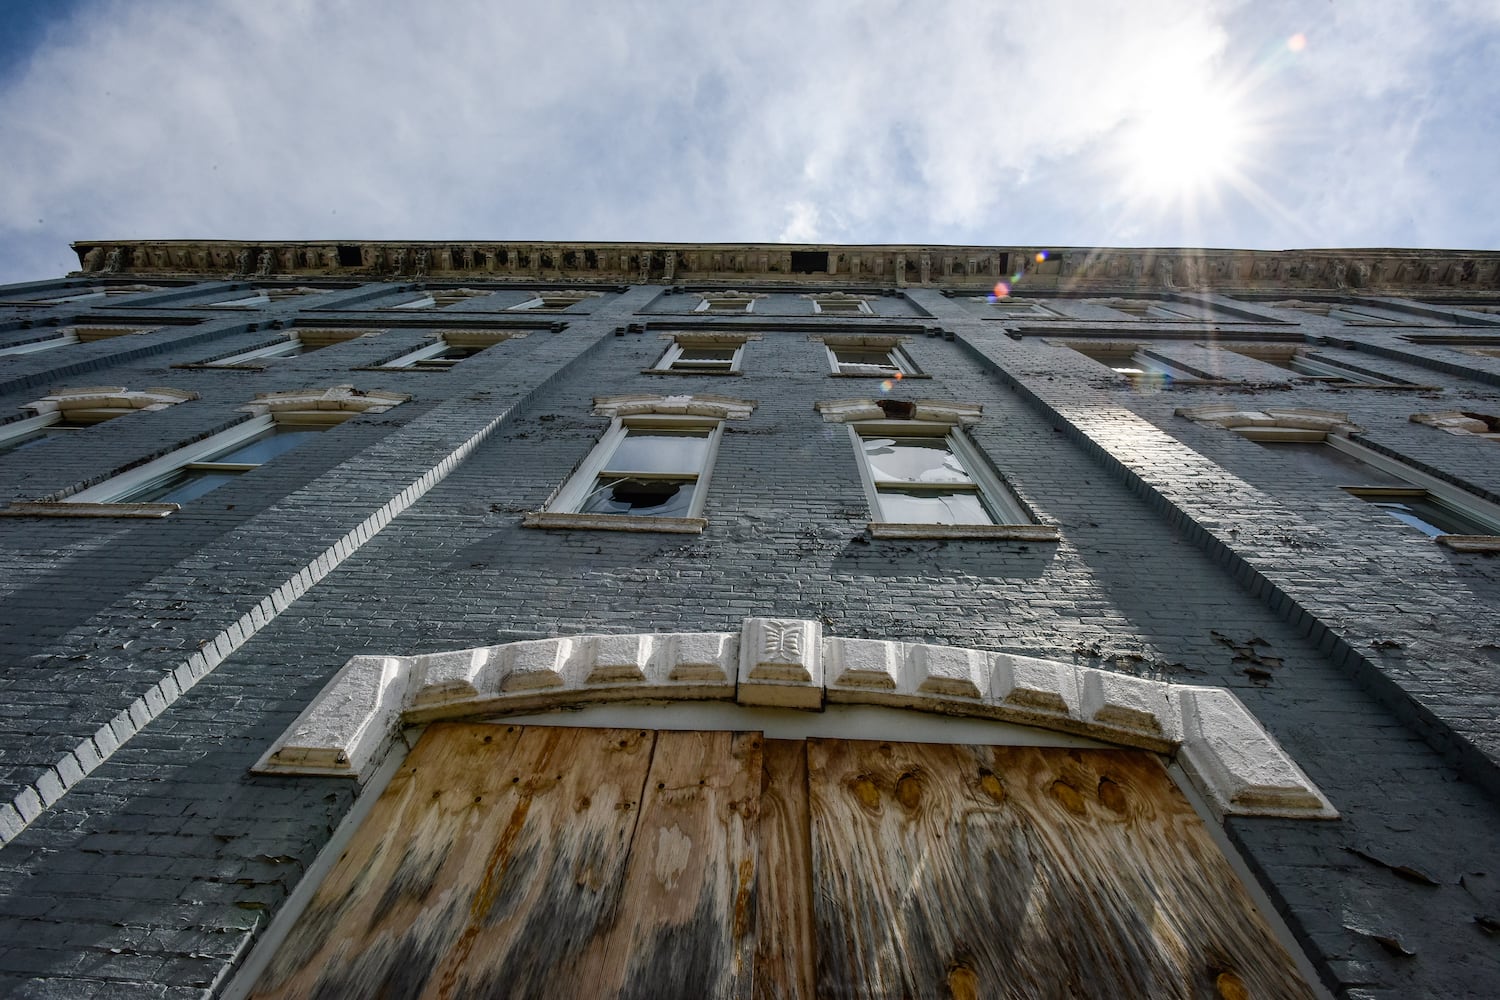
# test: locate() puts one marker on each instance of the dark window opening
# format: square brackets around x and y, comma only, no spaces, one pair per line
[809,261]
[350,257]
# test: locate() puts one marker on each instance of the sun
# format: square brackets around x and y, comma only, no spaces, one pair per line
[1185,147]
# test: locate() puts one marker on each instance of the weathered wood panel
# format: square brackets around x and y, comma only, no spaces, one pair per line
[687,922]
[784,951]
[490,859]
[953,871]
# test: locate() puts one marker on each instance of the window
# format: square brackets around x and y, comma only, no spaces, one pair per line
[1319,367]
[1338,311]
[649,471]
[1017,307]
[283,421]
[444,297]
[649,466]
[83,296]
[1445,510]
[555,301]
[1317,441]
[702,355]
[1134,362]
[727,302]
[922,475]
[75,335]
[248,300]
[1150,309]
[841,304]
[284,348]
[925,474]
[869,357]
[22,434]
[295,343]
[70,410]
[450,347]
[193,479]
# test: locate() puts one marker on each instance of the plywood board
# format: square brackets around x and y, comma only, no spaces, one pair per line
[492,853]
[686,926]
[956,871]
[784,952]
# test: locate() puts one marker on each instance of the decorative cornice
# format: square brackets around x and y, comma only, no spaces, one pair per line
[340,397]
[939,411]
[789,663]
[1458,422]
[1063,269]
[109,397]
[1231,417]
[635,404]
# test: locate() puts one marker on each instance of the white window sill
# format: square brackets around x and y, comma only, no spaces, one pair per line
[1470,543]
[1012,532]
[675,371]
[89,510]
[613,522]
[878,375]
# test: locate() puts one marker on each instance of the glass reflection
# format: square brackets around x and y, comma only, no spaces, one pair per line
[910,507]
[660,451]
[181,486]
[263,449]
[1427,516]
[913,460]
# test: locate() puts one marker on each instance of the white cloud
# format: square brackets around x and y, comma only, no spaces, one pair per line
[640,121]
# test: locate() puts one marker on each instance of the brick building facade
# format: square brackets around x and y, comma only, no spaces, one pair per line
[241,479]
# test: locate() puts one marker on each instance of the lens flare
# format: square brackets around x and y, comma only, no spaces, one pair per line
[1041,255]
[887,385]
[1297,42]
[1001,291]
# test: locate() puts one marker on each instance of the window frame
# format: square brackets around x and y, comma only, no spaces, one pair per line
[553,301]
[841,305]
[579,486]
[289,346]
[1009,516]
[901,366]
[726,303]
[1422,485]
[254,300]
[668,363]
[15,433]
[1153,367]
[432,351]
[71,335]
[118,488]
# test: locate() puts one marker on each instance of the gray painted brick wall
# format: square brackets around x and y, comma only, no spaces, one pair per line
[1187,553]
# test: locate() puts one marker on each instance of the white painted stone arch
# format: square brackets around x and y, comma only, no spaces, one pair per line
[789,663]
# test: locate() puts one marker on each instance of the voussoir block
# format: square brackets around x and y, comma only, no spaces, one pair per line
[1036,687]
[1237,764]
[781,663]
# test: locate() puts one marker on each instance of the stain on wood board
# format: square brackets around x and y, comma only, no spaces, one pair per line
[687,926]
[784,952]
[480,827]
[1022,872]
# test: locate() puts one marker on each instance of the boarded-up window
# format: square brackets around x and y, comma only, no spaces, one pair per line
[505,861]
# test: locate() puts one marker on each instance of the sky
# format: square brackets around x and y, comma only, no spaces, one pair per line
[1265,124]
